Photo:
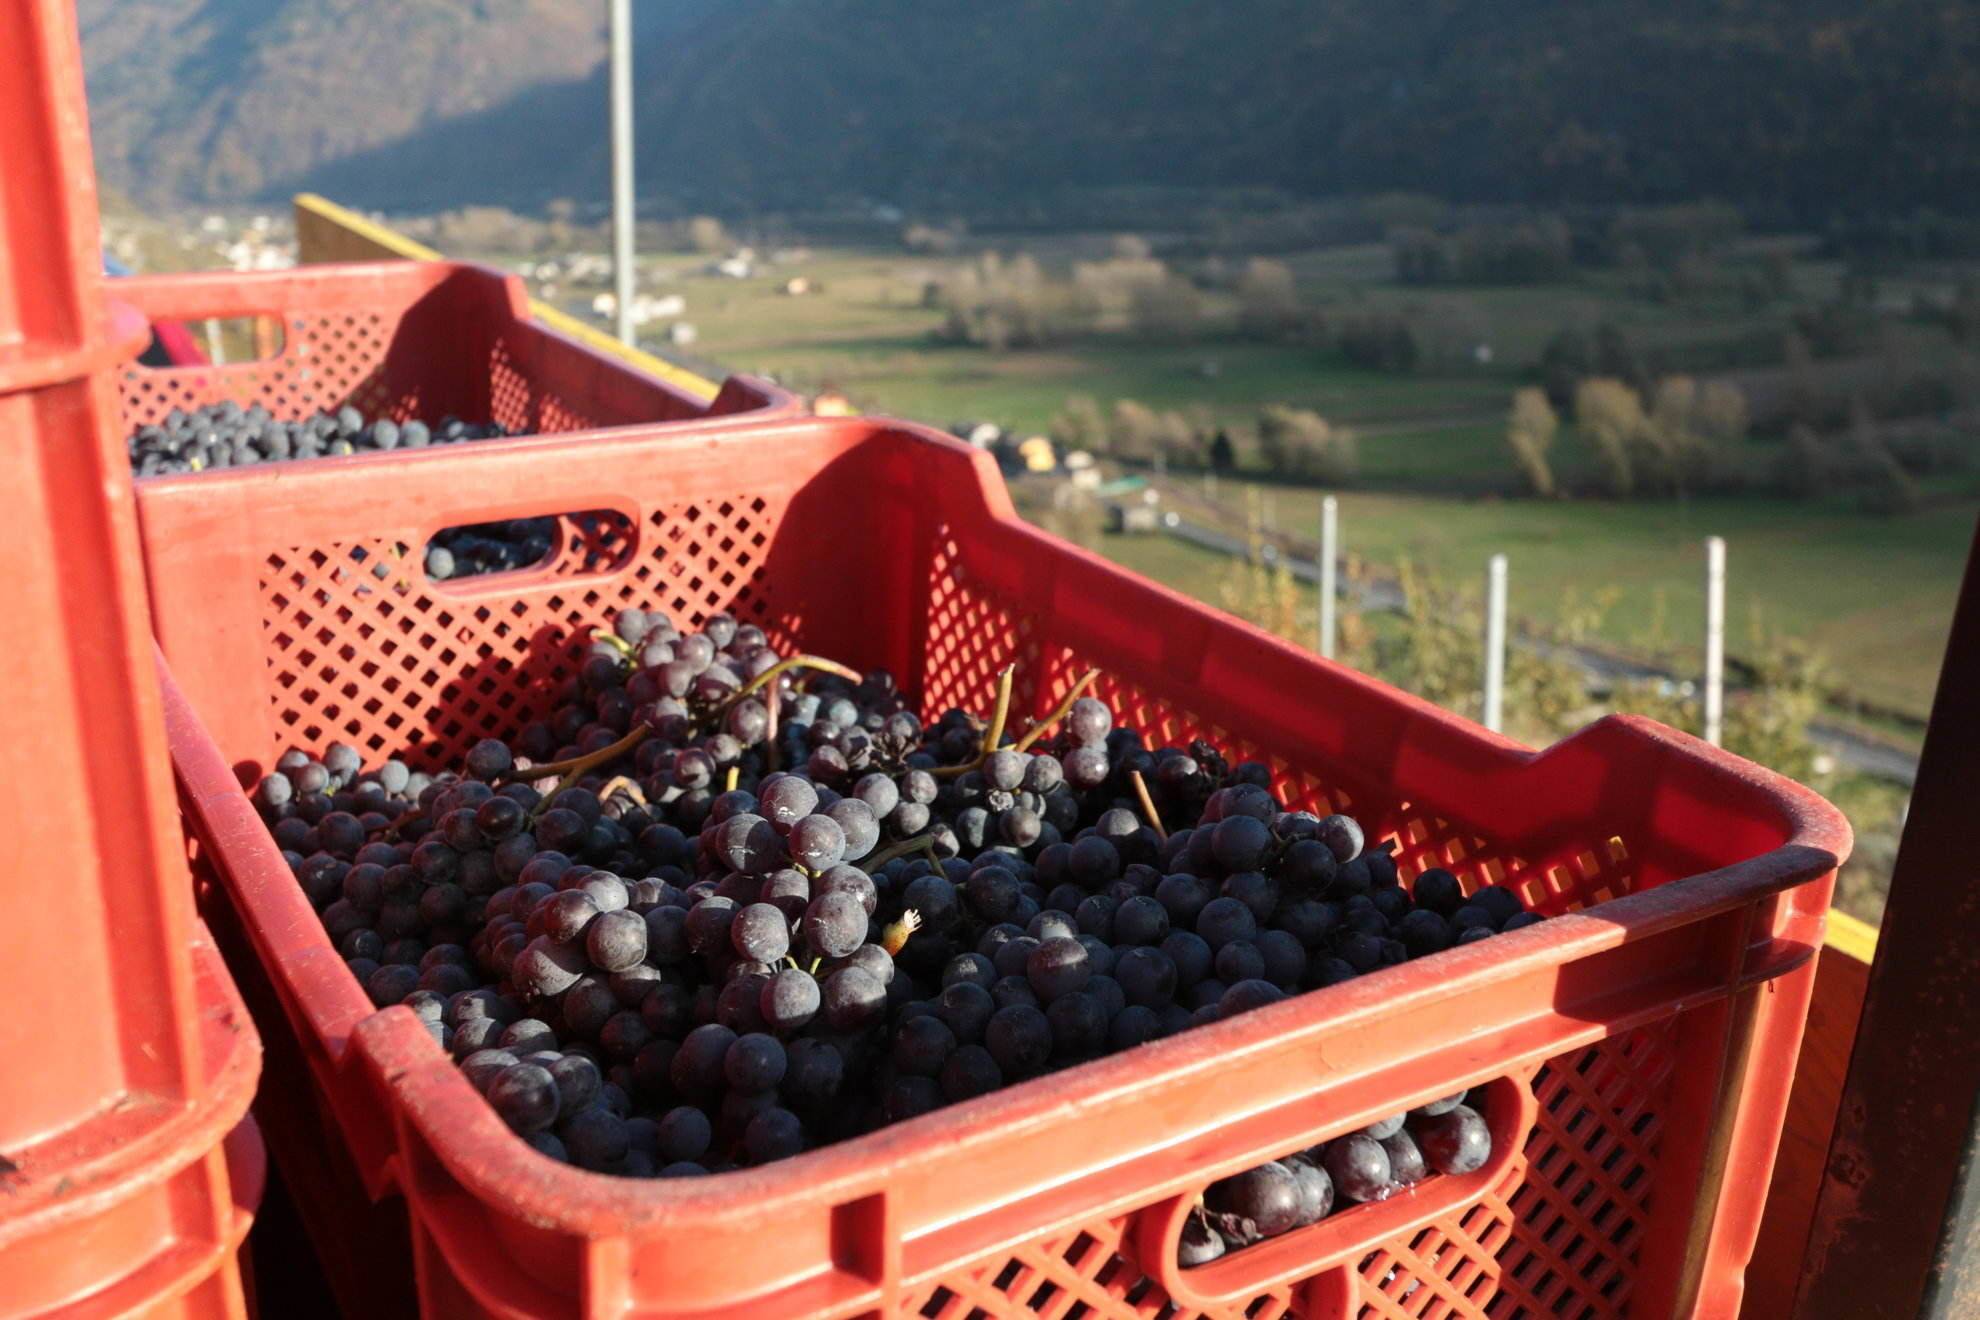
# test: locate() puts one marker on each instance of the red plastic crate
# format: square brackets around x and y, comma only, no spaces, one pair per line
[142,1212]
[406,339]
[1638,1048]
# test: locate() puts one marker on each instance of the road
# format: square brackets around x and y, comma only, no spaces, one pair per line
[1603,668]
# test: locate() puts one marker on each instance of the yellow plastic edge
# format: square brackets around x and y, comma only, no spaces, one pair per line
[352,236]
[1851,936]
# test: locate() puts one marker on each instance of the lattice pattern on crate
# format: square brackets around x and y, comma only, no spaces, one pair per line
[971,636]
[1078,1274]
[1575,879]
[1447,1269]
[527,407]
[360,647]
[328,360]
[1591,1167]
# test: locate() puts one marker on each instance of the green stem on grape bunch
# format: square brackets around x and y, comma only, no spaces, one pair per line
[578,766]
[1059,712]
[875,861]
[782,667]
[1002,712]
[1148,806]
[993,733]
[618,643]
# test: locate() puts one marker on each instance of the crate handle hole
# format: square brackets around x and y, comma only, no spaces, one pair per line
[580,543]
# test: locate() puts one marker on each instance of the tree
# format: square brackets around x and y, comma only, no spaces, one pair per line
[1883,486]
[1268,301]
[1806,468]
[1567,360]
[1297,442]
[1609,414]
[1530,434]
[1168,309]
[1722,413]
[705,232]
[1080,425]
[1134,431]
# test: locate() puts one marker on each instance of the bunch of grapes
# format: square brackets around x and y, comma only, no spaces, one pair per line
[223,435]
[725,904]
[1373,1164]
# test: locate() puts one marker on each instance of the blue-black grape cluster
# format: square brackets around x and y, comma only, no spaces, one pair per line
[1372,1164]
[225,435]
[756,919]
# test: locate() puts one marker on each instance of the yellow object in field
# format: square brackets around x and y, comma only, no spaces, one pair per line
[831,403]
[1037,454]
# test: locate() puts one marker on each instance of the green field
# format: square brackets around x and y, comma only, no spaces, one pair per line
[1872,594]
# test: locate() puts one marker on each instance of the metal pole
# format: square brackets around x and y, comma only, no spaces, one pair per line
[1330,549]
[1715,638]
[1495,643]
[622,167]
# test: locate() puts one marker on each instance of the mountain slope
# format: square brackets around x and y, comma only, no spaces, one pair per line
[1795,106]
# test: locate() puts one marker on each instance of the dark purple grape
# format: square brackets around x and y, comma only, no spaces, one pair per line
[1436,1107]
[1199,1244]
[546,968]
[525,1096]
[790,1001]
[834,925]
[755,1062]
[852,999]
[1455,1141]
[761,933]
[969,1072]
[698,1067]
[1316,1190]
[1058,967]
[1359,1168]
[817,842]
[1268,1196]
[1386,1127]
[1019,1039]
[1438,890]
[616,941]
[922,1045]
[1223,920]
[1406,1164]
[774,1134]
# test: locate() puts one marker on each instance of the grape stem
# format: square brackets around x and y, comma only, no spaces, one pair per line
[993,733]
[623,784]
[729,783]
[1001,712]
[782,667]
[1059,712]
[617,643]
[577,765]
[902,849]
[1148,806]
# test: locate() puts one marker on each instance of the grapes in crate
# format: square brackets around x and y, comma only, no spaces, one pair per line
[723,904]
[1371,1164]
[227,435]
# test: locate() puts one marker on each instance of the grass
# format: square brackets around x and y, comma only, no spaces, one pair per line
[1872,595]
